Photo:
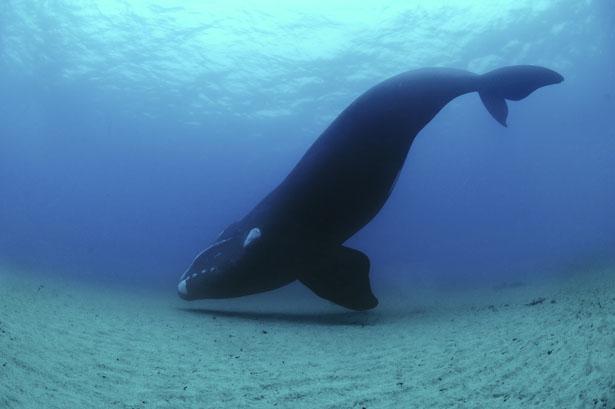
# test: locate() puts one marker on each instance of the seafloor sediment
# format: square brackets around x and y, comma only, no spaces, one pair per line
[547,345]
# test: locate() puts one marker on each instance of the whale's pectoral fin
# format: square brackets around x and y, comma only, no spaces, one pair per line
[340,275]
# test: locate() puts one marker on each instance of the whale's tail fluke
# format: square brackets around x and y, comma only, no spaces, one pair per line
[514,83]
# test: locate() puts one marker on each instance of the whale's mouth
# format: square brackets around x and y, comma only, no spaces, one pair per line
[200,282]
[195,285]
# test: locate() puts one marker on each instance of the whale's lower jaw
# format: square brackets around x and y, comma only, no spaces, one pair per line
[231,285]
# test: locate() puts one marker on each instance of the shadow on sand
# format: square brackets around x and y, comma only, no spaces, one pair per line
[318,318]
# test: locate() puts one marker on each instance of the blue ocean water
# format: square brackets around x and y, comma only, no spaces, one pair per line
[132,133]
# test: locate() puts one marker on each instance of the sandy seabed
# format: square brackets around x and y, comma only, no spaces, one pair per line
[542,345]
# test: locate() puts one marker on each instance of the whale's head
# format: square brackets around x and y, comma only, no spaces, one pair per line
[230,267]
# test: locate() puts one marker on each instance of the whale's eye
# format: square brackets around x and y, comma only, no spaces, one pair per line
[252,236]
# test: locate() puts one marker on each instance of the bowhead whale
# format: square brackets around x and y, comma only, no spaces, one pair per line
[297,232]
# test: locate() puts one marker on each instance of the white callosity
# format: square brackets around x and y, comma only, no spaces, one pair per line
[182,288]
[253,235]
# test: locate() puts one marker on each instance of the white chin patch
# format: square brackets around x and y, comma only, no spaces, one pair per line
[254,235]
[182,288]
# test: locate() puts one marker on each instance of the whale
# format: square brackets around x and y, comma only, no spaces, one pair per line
[298,230]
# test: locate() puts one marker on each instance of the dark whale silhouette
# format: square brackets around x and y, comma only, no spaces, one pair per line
[343,180]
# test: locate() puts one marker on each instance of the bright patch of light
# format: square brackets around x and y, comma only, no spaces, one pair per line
[265,58]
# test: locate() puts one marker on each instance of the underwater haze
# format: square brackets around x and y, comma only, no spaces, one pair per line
[133,132]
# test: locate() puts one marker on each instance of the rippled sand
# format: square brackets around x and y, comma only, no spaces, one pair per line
[536,346]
